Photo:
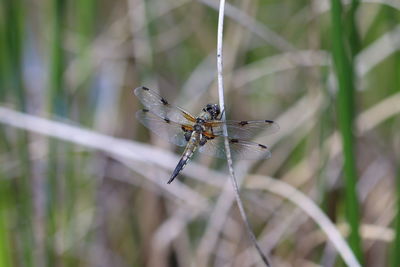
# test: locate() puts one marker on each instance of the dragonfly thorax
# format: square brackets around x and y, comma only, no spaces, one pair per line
[198,128]
[200,120]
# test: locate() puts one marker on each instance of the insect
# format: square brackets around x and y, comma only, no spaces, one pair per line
[204,132]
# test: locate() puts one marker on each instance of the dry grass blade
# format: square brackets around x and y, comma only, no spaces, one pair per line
[227,149]
[118,148]
[310,208]
[259,29]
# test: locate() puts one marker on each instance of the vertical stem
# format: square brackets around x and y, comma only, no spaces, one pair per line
[354,38]
[343,64]
[56,104]
[56,101]
[396,243]
[85,19]
[395,257]
[5,204]
[227,148]
[13,39]
[12,64]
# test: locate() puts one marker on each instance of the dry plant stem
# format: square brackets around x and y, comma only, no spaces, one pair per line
[312,210]
[227,149]
[254,26]
[118,148]
[226,198]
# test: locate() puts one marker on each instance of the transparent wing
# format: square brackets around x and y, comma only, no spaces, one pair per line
[167,129]
[160,106]
[243,129]
[240,149]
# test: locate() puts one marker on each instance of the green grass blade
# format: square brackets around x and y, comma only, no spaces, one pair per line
[56,99]
[345,76]
[354,38]
[395,255]
[13,15]
[57,104]
[396,243]
[13,72]
[5,203]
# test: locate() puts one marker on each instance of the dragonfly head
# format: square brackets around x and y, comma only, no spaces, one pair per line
[213,110]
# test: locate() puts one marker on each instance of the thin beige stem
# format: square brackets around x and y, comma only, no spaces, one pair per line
[227,148]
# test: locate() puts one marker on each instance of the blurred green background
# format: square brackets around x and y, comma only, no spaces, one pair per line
[327,72]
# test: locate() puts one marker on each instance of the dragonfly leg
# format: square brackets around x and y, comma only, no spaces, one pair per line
[188,134]
[220,115]
[203,140]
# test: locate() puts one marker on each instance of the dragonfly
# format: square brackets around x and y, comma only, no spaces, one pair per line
[204,132]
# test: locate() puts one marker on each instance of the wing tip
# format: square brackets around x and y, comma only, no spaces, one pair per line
[137,89]
[274,124]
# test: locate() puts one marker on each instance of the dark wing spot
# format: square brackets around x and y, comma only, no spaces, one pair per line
[262,146]
[145,88]
[269,121]
[165,102]
[167,120]
[234,141]
[209,135]
[243,123]
[145,110]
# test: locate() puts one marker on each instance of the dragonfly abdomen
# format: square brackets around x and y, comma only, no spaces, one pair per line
[187,154]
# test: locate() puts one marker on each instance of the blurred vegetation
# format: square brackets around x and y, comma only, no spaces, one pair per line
[324,74]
